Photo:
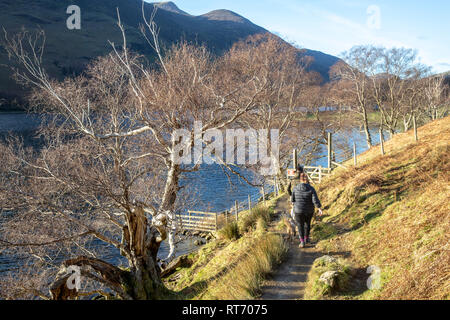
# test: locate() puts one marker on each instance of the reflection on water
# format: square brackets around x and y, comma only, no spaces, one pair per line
[18,122]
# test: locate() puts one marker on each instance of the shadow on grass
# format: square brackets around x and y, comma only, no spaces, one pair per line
[191,291]
[357,284]
[342,254]
[198,287]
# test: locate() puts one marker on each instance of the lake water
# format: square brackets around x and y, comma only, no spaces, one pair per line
[212,185]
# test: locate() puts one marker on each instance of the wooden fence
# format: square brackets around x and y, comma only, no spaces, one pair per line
[338,158]
[198,221]
[317,174]
[213,221]
[239,206]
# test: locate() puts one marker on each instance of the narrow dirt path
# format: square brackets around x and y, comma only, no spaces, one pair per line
[289,280]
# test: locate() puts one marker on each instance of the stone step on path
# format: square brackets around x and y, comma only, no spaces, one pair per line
[289,280]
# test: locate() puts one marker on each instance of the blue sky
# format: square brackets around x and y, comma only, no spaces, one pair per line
[333,26]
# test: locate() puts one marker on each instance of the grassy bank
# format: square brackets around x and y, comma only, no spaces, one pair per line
[392,212]
[234,265]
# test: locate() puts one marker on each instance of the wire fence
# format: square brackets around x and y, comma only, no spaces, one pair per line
[214,221]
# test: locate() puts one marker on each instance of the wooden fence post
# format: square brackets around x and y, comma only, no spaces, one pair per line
[216,223]
[189,219]
[382,141]
[236,208]
[355,161]
[275,184]
[416,137]
[264,195]
[330,149]
[226,217]
[249,203]
[320,174]
[294,159]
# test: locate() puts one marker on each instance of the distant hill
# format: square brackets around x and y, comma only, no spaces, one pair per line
[170,6]
[68,51]
[226,15]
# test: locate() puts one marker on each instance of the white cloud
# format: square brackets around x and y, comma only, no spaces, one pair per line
[337,33]
[321,29]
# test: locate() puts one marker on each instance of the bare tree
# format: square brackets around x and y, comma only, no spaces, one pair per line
[435,97]
[353,86]
[107,172]
[412,99]
[327,115]
[396,68]
[281,71]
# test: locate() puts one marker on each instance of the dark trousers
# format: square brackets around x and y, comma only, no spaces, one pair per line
[303,221]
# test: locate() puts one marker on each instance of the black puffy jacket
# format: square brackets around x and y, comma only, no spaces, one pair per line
[304,198]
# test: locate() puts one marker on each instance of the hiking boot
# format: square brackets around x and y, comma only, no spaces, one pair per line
[307,240]
[302,244]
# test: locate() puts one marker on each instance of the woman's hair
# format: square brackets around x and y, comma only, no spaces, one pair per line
[304,178]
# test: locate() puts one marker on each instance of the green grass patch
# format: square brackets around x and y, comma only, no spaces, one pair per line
[317,289]
[324,230]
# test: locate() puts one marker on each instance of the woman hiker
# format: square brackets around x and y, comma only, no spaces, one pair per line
[304,199]
[298,171]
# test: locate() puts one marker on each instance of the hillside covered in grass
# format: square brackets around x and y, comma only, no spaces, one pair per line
[392,212]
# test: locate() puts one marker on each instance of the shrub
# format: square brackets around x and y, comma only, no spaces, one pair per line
[249,221]
[261,225]
[230,231]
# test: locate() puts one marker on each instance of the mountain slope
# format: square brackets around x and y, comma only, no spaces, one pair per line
[170,6]
[225,15]
[68,51]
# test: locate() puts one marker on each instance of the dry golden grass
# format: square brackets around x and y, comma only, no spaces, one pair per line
[244,280]
[393,211]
